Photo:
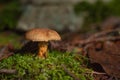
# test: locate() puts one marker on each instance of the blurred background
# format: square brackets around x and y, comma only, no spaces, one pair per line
[64,16]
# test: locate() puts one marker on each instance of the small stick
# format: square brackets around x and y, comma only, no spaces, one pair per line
[99,39]
[94,72]
[8,71]
[6,56]
[2,51]
[103,33]
[96,37]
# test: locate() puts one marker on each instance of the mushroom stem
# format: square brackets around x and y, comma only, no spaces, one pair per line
[42,49]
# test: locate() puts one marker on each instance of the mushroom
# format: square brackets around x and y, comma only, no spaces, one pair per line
[42,36]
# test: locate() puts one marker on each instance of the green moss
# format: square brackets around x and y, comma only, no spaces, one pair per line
[10,38]
[30,67]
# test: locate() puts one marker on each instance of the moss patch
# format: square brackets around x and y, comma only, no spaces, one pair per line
[10,38]
[30,67]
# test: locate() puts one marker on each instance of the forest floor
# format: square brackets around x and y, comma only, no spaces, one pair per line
[82,57]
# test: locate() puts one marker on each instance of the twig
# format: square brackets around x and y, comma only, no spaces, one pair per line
[96,37]
[2,51]
[70,73]
[8,71]
[99,39]
[6,56]
[94,72]
[103,33]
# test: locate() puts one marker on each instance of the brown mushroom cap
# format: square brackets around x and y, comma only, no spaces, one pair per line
[42,34]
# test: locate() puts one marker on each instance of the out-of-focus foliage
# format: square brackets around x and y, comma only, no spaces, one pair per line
[114,5]
[95,12]
[9,13]
[5,1]
[33,68]
[98,11]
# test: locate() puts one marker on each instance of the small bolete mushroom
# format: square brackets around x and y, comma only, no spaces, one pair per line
[42,35]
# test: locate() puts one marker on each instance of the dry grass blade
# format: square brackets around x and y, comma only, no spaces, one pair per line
[8,71]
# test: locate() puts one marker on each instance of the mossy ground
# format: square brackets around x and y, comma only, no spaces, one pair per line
[30,67]
[7,38]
